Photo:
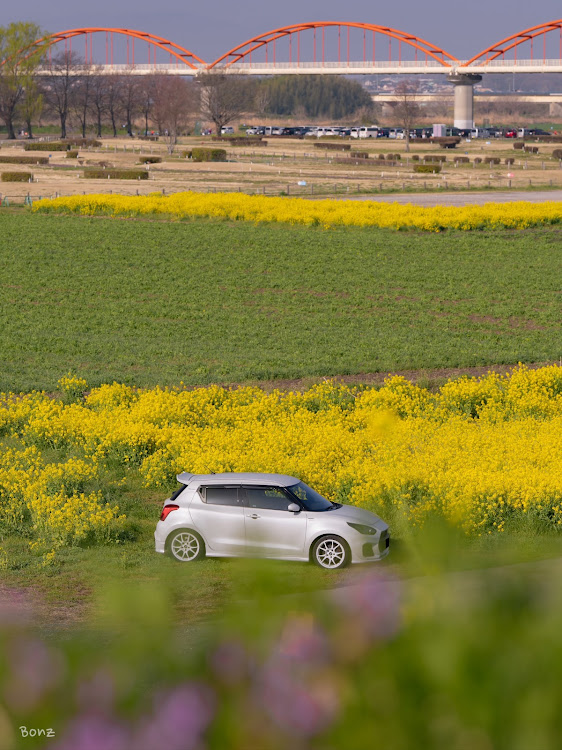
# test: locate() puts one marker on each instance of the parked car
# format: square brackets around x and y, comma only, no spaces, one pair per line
[511,133]
[227,130]
[265,515]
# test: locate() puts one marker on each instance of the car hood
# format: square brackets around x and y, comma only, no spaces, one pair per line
[358,515]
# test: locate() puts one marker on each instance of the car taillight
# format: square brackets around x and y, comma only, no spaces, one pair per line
[166,510]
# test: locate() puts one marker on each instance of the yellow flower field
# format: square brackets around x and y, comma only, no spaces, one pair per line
[326,213]
[480,451]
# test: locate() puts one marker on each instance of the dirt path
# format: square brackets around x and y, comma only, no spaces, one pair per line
[430,378]
[463,199]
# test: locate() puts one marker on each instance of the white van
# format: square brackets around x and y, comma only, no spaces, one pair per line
[365,132]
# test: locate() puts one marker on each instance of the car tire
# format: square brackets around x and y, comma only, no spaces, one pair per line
[185,545]
[331,552]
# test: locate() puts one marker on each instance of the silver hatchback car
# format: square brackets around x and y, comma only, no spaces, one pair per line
[265,515]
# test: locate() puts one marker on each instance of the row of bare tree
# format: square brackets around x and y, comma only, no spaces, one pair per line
[70,91]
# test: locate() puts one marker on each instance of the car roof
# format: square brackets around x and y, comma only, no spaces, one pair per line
[283,480]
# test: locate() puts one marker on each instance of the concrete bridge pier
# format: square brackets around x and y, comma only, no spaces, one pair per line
[464,98]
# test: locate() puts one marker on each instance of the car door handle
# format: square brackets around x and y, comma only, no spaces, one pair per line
[254,515]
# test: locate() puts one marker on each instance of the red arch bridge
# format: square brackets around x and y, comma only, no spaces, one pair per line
[323,47]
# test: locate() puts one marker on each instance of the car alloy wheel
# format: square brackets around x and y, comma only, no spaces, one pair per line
[185,546]
[330,552]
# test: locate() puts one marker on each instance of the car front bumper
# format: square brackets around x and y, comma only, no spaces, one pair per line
[370,548]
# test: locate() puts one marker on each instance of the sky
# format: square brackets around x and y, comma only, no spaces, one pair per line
[209,28]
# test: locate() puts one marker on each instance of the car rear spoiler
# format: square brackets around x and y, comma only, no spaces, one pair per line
[184,477]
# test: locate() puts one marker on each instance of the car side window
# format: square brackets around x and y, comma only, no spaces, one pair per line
[213,495]
[272,498]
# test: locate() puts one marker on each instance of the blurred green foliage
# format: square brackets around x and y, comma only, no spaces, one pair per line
[449,661]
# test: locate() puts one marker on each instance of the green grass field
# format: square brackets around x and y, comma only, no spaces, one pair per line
[161,302]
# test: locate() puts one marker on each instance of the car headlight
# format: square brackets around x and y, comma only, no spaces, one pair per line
[362,528]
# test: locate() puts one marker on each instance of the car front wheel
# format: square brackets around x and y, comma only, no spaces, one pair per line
[185,545]
[331,552]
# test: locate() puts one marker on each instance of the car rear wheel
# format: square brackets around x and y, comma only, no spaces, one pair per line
[185,545]
[331,552]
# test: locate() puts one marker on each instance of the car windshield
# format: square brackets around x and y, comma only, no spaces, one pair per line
[309,498]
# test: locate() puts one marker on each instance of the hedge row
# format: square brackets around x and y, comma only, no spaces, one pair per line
[241,141]
[16,177]
[427,168]
[208,154]
[434,158]
[557,153]
[62,145]
[333,146]
[24,160]
[492,160]
[150,160]
[446,141]
[116,174]
[53,146]
[72,154]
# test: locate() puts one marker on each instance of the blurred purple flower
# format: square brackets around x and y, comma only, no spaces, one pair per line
[35,668]
[180,718]
[374,604]
[16,607]
[302,640]
[299,703]
[97,694]
[93,733]
[230,662]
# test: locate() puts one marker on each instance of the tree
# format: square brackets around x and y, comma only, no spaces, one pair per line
[148,93]
[407,110]
[31,105]
[98,100]
[19,60]
[314,96]
[175,102]
[81,101]
[113,87]
[131,98]
[224,97]
[61,83]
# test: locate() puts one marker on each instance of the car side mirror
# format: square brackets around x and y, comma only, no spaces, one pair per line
[294,508]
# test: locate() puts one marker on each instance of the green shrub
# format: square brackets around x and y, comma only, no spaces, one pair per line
[517,145]
[557,153]
[359,155]
[208,154]
[72,154]
[17,177]
[186,154]
[116,174]
[24,160]
[427,168]
[150,159]
[52,146]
